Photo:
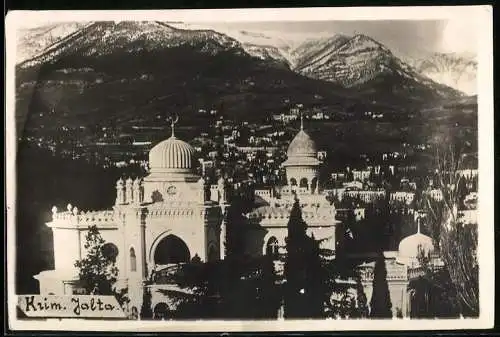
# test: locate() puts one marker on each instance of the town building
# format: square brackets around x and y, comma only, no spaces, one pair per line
[402,196]
[268,221]
[168,217]
[402,267]
[173,216]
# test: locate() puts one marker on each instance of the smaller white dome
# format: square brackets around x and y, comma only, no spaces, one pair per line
[412,246]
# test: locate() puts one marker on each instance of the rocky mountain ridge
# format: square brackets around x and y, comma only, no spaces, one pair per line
[126,71]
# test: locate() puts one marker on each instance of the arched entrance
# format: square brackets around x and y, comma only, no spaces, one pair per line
[272,247]
[161,311]
[171,250]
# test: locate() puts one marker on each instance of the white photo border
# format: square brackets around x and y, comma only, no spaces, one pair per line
[477,17]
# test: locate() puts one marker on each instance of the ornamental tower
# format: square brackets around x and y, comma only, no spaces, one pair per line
[302,164]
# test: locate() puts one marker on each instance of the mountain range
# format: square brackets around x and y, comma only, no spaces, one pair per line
[454,69]
[124,71]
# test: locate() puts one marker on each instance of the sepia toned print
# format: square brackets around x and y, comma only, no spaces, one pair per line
[172,170]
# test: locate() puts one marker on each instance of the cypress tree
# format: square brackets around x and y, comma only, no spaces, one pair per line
[146,311]
[294,264]
[303,271]
[315,286]
[380,304]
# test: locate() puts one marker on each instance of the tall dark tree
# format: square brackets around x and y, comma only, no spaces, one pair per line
[234,288]
[303,293]
[380,304]
[362,305]
[146,310]
[433,293]
[315,279]
[268,294]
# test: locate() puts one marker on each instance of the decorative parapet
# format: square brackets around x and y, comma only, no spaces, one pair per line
[96,217]
[310,213]
[76,218]
[416,272]
[395,272]
[176,212]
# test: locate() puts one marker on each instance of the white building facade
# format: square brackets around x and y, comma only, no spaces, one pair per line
[170,216]
[267,222]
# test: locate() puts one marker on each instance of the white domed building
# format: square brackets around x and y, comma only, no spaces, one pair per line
[168,217]
[172,216]
[269,219]
[403,266]
[414,246]
[302,164]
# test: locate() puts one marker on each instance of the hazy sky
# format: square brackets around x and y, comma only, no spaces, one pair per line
[402,36]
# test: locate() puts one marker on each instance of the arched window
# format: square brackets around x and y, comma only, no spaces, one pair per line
[293,182]
[303,182]
[110,251]
[133,260]
[272,247]
[314,185]
[156,196]
[161,311]
[134,313]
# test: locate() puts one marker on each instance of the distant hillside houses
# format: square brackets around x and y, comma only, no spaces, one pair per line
[434,194]
[393,155]
[338,176]
[469,173]
[285,118]
[374,115]
[276,134]
[355,191]
[320,116]
[343,213]
[259,140]
[322,155]
[367,196]
[361,175]
[402,196]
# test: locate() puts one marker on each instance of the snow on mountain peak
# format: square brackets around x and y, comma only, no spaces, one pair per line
[32,41]
[100,38]
[346,60]
[457,70]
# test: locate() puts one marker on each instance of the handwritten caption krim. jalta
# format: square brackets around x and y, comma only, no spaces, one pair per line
[75,306]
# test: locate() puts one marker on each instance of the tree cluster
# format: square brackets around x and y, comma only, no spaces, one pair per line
[456,242]
[97,270]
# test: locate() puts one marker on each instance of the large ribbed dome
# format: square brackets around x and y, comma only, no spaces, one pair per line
[171,155]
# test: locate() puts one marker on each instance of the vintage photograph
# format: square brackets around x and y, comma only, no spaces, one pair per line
[247,170]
